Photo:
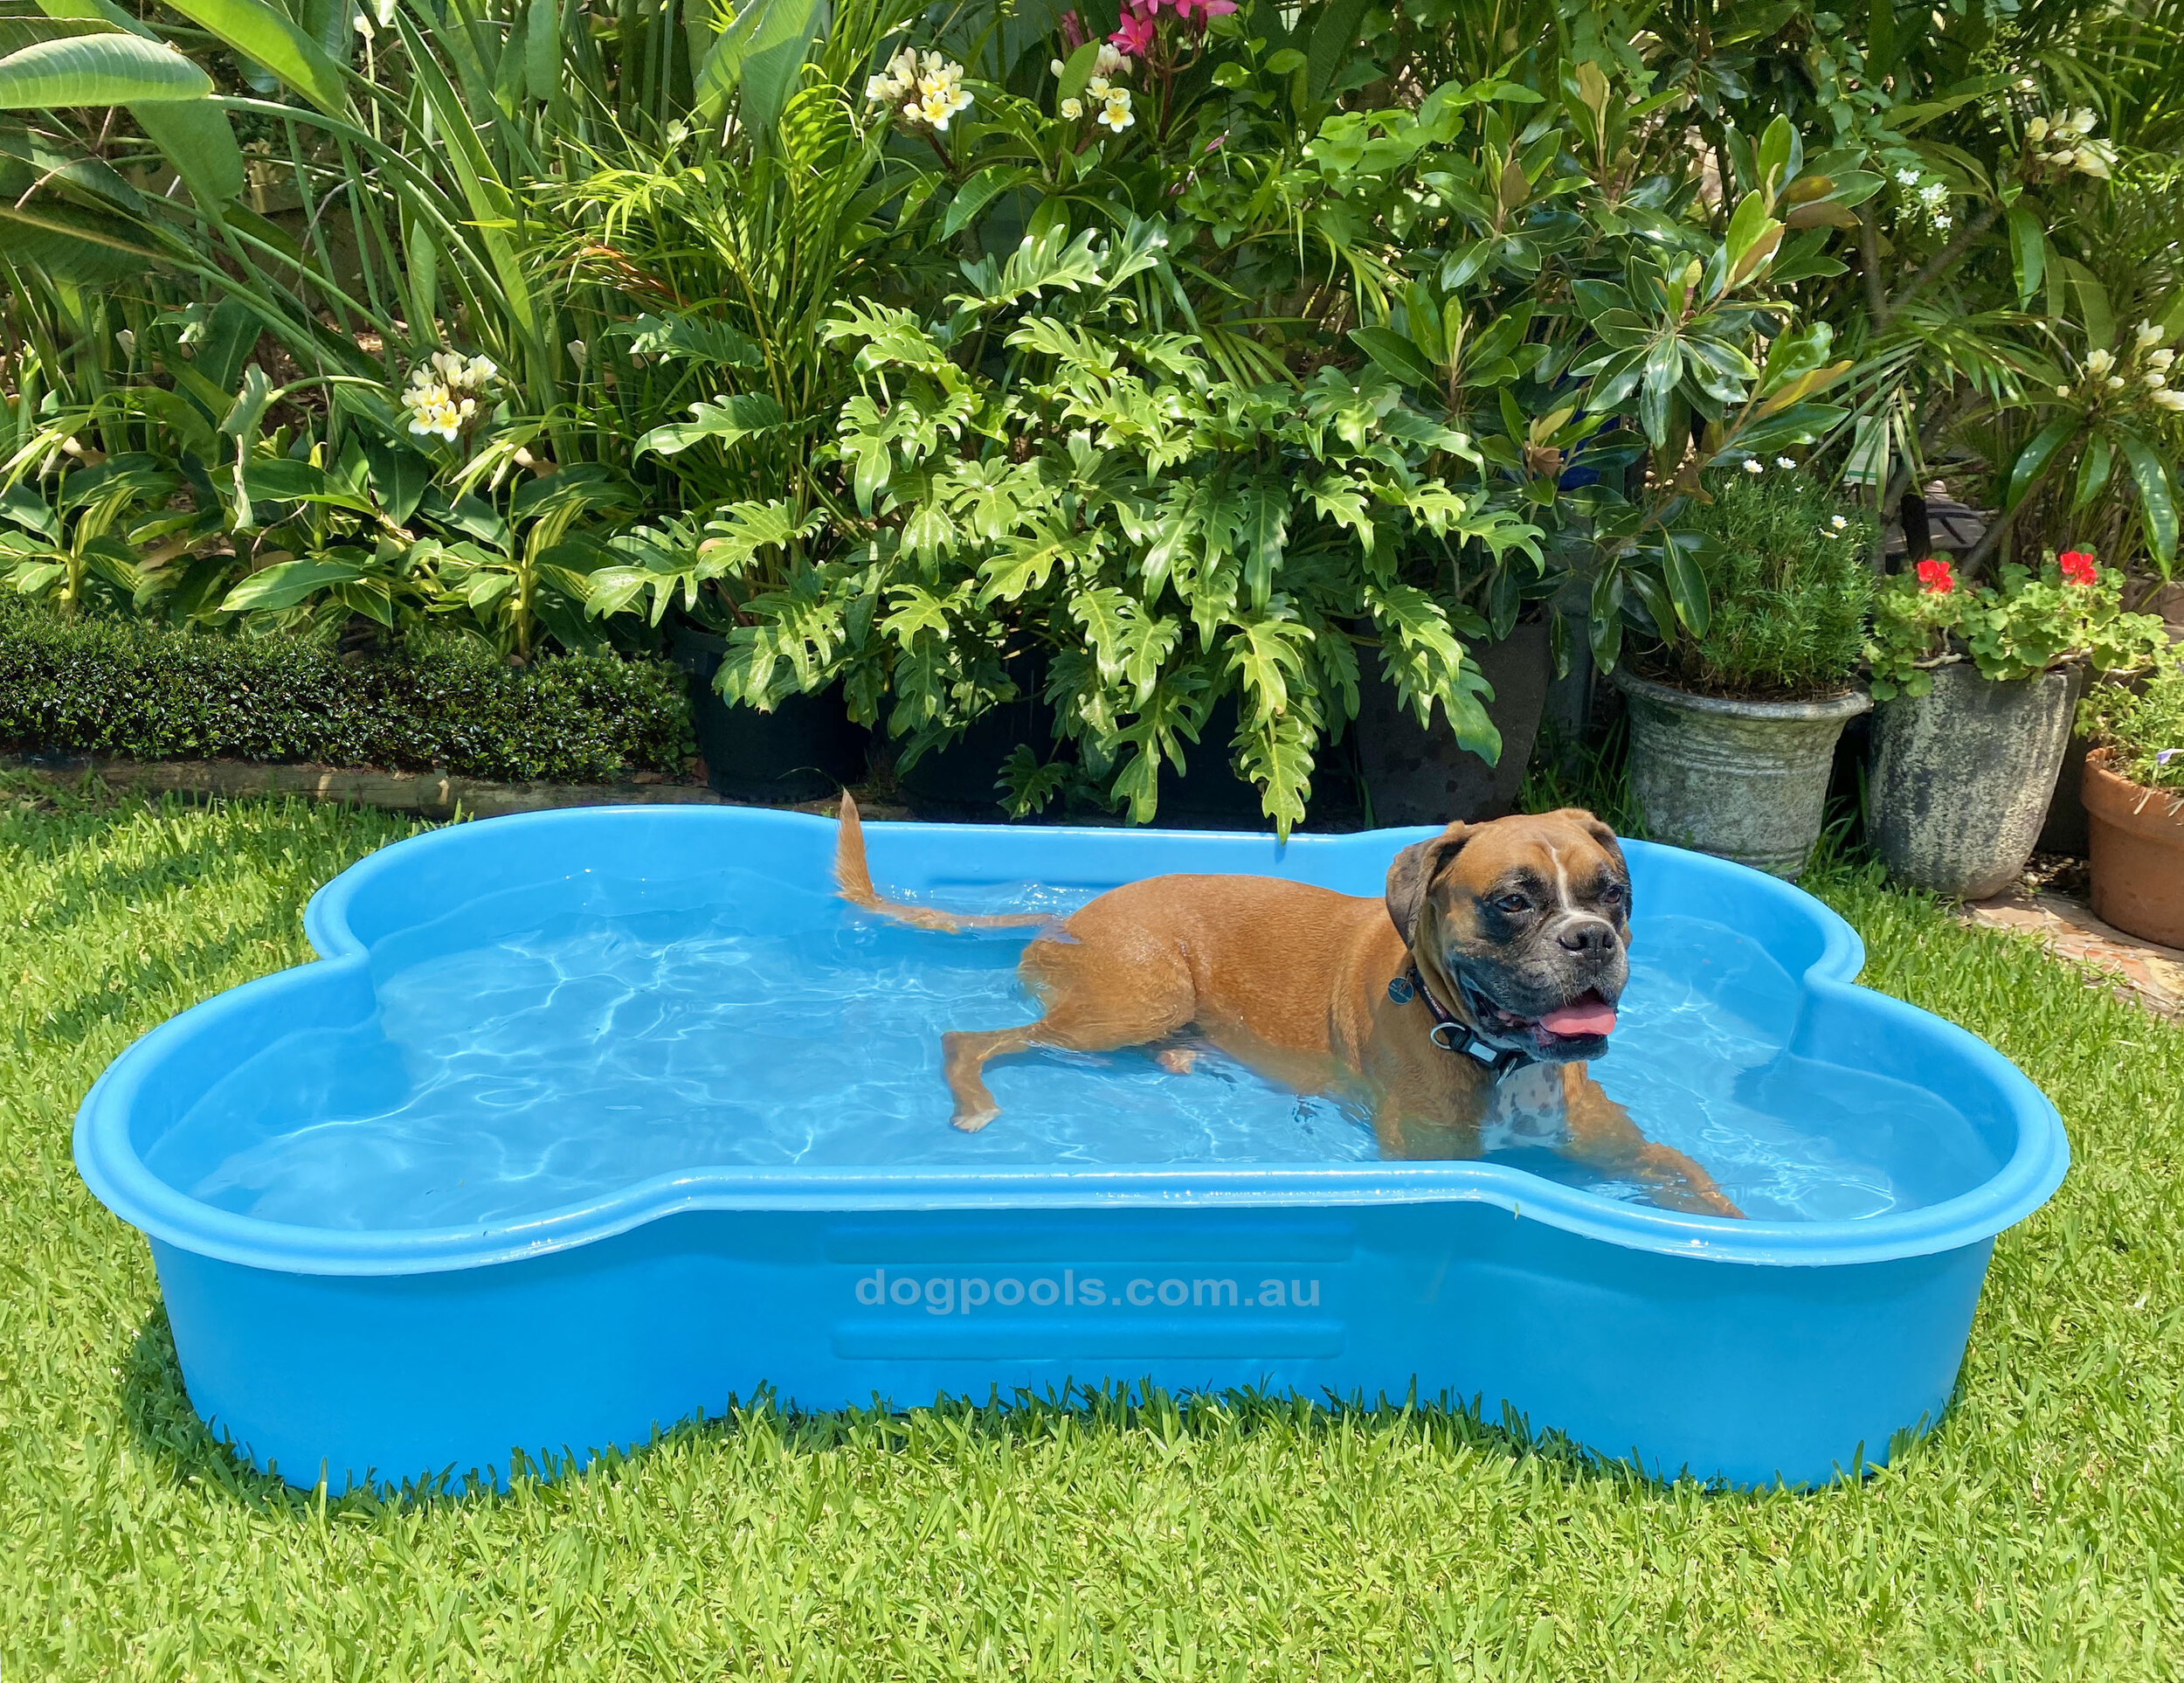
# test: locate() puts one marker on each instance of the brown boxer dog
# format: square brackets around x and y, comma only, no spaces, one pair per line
[1457,1011]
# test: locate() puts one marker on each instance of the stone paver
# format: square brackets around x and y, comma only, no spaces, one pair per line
[2046,908]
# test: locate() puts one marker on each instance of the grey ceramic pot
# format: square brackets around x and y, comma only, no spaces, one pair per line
[1962,777]
[1745,779]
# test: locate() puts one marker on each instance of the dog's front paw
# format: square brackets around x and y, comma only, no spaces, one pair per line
[971,1120]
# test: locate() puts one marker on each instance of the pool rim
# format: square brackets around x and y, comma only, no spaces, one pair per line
[118,1177]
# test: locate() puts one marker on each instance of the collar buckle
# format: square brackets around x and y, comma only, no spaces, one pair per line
[1451,1033]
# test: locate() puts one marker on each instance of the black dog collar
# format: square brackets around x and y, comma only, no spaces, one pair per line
[1451,1033]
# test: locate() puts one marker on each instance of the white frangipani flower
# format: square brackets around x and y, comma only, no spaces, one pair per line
[1072,109]
[442,396]
[930,87]
[2099,361]
[1115,110]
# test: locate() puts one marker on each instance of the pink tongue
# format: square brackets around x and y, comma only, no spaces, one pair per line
[1580,1018]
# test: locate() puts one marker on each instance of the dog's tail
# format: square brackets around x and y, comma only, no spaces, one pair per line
[855,877]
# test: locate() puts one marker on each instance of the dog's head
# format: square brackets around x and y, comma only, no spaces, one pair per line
[1521,927]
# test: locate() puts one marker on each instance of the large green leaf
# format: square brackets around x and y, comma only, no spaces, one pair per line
[728,420]
[259,32]
[2033,459]
[762,54]
[2157,499]
[288,583]
[194,134]
[97,70]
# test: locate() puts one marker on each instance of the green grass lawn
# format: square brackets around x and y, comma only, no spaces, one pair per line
[2038,1532]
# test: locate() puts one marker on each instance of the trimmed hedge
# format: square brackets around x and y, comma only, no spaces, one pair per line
[141,691]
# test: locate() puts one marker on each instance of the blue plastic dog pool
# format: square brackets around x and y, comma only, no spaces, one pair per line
[589,1121]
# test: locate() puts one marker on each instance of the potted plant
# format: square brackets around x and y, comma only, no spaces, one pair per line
[1734,719]
[1975,684]
[2134,803]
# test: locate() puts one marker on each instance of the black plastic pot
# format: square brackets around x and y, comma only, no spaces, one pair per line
[1419,776]
[1211,795]
[963,779]
[805,750]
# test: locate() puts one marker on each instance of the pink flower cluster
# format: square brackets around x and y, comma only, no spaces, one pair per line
[1140,17]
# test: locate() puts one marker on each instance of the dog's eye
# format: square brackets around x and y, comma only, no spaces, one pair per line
[1611,893]
[1514,903]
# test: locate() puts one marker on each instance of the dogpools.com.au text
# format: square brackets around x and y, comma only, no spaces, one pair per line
[947,1294]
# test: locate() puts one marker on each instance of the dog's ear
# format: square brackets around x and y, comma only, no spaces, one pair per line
[1412,873]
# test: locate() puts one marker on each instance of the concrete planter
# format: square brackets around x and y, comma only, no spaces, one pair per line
[1745,780]
[1420,776]
[2137,843]
[1962,776]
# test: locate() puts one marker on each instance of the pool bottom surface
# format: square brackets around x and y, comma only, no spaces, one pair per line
[571,1056]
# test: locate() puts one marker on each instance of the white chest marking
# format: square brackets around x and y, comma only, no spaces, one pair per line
[1526,1110]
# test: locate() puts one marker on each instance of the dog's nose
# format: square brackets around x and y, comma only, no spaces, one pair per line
[1589,936]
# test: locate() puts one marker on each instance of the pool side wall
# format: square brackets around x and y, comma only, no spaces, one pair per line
[1746,1373]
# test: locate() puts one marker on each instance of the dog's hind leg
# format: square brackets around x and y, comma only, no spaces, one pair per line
[1098,1001]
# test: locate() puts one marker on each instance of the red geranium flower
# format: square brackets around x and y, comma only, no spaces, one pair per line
[1934,576]
[2077,567]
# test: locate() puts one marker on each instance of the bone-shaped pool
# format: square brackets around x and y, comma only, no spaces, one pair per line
[547,1053]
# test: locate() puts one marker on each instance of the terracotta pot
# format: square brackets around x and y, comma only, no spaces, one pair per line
[1745,779]
[2138,844]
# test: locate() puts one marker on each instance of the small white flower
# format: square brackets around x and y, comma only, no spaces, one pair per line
[126,340]
[1110,61]
[1783,462]
[2063,391]
[1753,467]
[364,26]
[1934,193]
[1056,67]
[1072,109]
[2099,361]
[2082,121]
[2114,382]
[579,353]
[1115,113]
[2170,399]
[2063,159]
[1836,523]
[1095,89]
[2036,130]
[2148,335]
[1942,223]
[1909,178]
[2160,358]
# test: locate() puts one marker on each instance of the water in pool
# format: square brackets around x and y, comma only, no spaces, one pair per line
[575,1054]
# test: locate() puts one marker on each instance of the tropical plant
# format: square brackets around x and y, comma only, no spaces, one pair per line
[1035,468]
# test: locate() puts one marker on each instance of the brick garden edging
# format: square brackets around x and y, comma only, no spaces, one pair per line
[430,794]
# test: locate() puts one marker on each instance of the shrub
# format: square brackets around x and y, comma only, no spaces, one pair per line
[151,692]
[1788,582]
[2142,726]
